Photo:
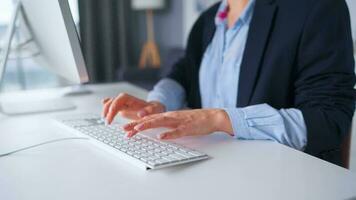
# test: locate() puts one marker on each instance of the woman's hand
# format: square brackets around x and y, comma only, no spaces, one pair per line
[183,123]
[129,107]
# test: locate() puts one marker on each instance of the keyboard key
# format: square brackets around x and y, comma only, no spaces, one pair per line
[152,163]
[195,153]
[146,155]
[157,150]
[162,154]
[161,161]
[177,156]
[154,157]
[170,158]
[187,155]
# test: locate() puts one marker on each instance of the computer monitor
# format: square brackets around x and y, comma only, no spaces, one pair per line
[49,25]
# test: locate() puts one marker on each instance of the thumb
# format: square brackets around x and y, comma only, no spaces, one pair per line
[152,108]
[148,110]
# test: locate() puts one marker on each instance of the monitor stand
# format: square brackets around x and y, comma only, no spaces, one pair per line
[31,106]
[4,54]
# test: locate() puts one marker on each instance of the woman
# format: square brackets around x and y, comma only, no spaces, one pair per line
[280,70]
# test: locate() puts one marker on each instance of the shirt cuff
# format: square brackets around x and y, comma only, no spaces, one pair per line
[239,123]
[159,97]
[168,92]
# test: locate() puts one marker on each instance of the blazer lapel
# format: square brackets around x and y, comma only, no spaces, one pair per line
[259,32]
[209,29]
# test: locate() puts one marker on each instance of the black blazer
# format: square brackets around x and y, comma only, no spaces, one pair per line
[298,54]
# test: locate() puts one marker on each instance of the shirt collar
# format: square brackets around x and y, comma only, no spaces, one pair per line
[221,16]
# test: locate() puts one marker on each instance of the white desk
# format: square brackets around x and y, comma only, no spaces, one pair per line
[237,170]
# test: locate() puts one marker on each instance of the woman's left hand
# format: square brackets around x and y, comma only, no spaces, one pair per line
[183,123]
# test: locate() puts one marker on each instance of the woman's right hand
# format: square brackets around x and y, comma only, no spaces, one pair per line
[130,107]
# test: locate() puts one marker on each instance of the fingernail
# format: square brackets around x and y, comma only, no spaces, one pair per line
[126,126]
[106,122]
[141,113]
[162,136]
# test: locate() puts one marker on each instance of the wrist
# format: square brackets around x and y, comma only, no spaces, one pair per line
[222,122]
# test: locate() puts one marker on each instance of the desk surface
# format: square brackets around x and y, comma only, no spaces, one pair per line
[236,170]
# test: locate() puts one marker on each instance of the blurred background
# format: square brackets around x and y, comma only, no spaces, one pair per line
[113,34]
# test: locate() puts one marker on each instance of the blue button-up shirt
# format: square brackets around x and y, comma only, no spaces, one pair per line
[219,79]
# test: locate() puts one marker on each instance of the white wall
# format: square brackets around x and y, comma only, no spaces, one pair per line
[191,11]
[352,7]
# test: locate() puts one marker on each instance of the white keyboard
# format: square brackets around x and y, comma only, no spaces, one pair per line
[141,150]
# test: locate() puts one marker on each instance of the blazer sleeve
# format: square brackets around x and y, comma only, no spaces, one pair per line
[324,86]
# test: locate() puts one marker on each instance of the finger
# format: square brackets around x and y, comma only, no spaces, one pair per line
[142,113]
[148,110]
[104,101]
[130,126]
[106,107]
[135,127]
[156,123]
[116,106]
[173,134]
[130,134]
[129,114]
